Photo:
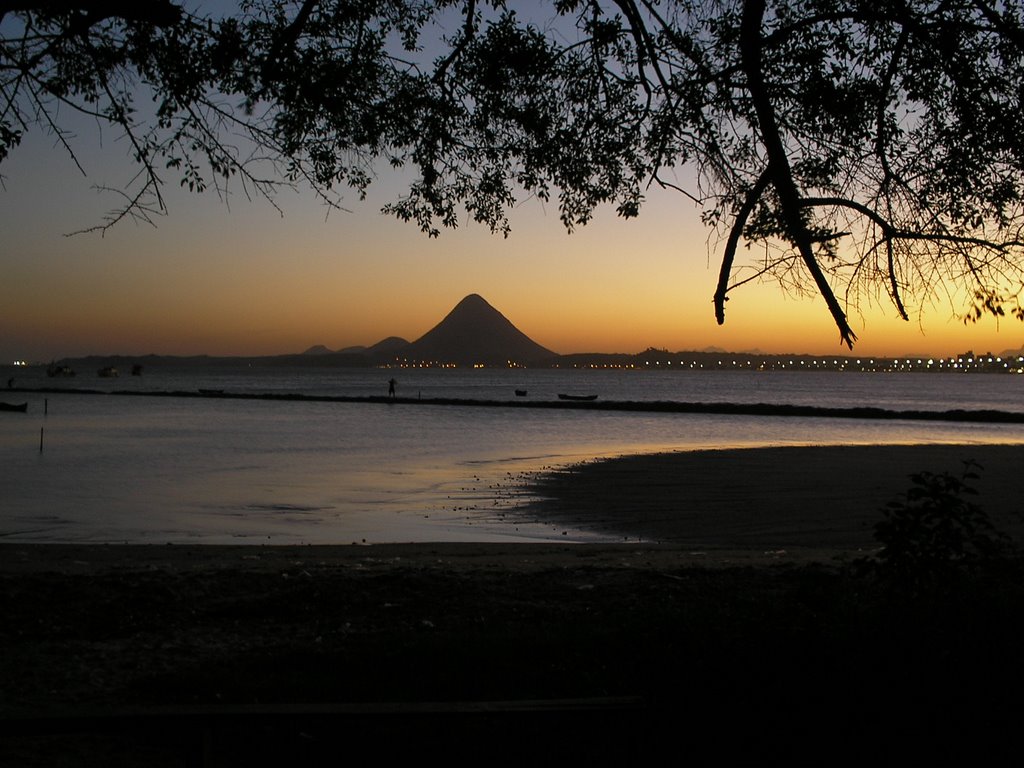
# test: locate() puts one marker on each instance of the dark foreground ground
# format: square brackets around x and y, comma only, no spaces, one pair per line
[567,655]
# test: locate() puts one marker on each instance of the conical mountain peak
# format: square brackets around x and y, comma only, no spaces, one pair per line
[475,332]
[474,299]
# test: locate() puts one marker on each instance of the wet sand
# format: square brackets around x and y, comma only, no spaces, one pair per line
[815,502]
[750,506]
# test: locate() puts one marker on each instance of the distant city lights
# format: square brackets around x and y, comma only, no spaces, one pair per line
[659,360]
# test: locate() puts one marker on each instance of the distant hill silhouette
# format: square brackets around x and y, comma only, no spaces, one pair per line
[383,351]
[387,348]
[475,332]
[318,349]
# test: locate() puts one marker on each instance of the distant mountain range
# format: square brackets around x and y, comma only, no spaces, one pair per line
[473,333]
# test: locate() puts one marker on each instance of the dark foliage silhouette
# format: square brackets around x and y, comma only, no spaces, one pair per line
[935,532]
[871,151]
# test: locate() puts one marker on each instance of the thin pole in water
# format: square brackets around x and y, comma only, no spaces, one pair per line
[40,439]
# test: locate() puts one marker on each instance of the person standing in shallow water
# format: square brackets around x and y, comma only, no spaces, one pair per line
[391,388]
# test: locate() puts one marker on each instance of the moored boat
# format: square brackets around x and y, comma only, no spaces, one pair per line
[54,370]
[580,398]
[107,373]
[22,407]
[520,393]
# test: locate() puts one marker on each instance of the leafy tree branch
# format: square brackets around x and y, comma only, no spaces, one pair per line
[881,145]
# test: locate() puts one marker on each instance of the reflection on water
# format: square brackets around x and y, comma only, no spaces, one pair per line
[173,469]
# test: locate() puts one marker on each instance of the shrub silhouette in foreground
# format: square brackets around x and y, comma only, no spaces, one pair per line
[934,531]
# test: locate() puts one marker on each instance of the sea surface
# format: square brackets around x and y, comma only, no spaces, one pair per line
[117,468]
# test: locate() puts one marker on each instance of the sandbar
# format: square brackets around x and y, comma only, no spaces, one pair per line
[805,502]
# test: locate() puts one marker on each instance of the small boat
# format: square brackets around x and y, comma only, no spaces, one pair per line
[520,393]
[22,407]
[107,373]
[580,398]
[54,370]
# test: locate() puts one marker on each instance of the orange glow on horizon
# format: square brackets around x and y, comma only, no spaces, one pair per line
[246,281]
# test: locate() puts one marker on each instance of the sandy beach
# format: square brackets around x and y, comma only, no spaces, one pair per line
[802,502]
[734,594]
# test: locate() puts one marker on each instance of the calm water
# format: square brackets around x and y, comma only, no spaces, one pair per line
[157,470]
[885,390]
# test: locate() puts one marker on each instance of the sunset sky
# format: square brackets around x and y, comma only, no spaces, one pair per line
[237,278]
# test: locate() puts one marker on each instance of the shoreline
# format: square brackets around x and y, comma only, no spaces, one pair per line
[197,560]
[755,506]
